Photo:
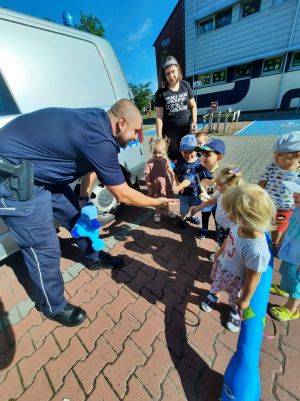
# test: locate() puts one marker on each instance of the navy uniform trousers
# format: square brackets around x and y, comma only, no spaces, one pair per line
[31,224]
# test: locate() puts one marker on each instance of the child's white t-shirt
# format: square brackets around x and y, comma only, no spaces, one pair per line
[243,252]
[274,175]
[221,215]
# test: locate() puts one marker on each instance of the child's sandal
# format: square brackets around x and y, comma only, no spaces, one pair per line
[282,314]
[233,322]
[276,290]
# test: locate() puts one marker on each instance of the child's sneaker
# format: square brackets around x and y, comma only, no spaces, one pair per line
[182,224]
[276,290]
[233,321]
[195,220]
[209,303]
[202,233]
[157,218]
[171,215]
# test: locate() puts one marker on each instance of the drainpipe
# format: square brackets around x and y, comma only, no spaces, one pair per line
[286,56]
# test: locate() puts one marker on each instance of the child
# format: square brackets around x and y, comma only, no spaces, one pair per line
[211,154]
[158,173]
[285,168]
[185,172]
[202,138]
[289,252]
[245,253]
[225,178]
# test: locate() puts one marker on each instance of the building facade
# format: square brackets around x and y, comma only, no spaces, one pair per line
[243,54]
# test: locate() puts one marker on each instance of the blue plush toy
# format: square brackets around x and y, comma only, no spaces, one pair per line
[87,225]
[241,379]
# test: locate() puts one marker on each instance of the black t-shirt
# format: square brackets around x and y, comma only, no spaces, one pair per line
[175,104]
[64,144]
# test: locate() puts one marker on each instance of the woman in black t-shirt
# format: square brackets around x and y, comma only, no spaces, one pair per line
[173,101]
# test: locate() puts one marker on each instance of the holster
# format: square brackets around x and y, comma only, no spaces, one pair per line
[18,178]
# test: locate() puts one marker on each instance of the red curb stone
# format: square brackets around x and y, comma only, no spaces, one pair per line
[63,335]
[81,297]
[222,359]
[115,308]
[97,303]
[228,339]
[103,391]
[72,286]
[70,390]
[119,373]
[171,393]
[139,309]
[268,366]
[11,386]
[40,332]
[290,377]
[89,369]
[93,286]
[33,319]
[283,395]
[117,335]
[293,337]
[39,389]
[153,373]
[8,360]
[113,287]
[29,366]
[136,392]
[90,334]
[146,335]
[10,298]
[59,367]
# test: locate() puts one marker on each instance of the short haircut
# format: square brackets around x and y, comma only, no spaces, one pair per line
[249,206]
[125,108]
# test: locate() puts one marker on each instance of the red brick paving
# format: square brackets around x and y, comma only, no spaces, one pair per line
[145,338]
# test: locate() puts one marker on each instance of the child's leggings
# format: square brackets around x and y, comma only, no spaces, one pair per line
[205,218]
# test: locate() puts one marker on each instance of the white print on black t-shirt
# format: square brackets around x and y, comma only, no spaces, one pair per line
[175,103]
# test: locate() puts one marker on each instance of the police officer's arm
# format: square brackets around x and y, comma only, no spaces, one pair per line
[124,194]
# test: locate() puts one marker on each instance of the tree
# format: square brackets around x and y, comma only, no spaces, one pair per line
[91,24]
[142,95]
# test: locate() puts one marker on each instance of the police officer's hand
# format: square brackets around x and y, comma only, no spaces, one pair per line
[166,201]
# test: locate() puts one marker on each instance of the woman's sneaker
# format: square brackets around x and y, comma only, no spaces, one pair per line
[195,220]
[209,303]
[157,218]
[202,233]
[171,215]
[233,321]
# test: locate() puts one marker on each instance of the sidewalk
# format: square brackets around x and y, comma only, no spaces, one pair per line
[145,337]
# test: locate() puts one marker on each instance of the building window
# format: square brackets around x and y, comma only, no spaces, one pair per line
[206,26]
[272,65]
[219,76]
[223,18]
[242,71]
[165,42]
[250,7]
[295,64]
[215,22]
[203,79]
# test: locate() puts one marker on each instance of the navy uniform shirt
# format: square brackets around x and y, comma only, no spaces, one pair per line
[64,144]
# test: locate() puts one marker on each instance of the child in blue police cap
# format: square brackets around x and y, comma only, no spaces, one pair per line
[289,253]
[186,170]
[212,153]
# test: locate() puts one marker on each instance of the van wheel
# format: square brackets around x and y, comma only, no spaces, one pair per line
[104,201]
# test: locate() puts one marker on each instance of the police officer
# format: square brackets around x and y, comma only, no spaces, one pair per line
[62,145]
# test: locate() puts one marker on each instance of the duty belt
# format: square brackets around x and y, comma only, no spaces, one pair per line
[17,178]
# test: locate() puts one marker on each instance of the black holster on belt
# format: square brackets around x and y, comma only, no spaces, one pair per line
[18,178]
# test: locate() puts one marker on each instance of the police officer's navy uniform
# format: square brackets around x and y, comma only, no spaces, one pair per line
[63,145]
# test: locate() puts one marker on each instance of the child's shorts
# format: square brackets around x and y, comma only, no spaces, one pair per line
[186,202]
[282,220]
[290,279]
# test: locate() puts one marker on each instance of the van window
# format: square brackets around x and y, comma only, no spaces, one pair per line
[8,106]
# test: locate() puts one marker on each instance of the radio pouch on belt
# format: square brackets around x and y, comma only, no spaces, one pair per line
[18,178]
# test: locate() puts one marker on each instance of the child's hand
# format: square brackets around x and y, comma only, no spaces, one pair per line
[176,189]
[243,304]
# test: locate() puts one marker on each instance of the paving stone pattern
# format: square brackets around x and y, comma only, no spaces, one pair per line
[145,337]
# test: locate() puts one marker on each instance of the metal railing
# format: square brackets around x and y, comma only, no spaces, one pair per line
[230,119]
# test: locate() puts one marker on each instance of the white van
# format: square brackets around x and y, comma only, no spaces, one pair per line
[44,64]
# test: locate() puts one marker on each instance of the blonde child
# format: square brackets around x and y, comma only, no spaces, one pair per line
[159,175]
[225,177]
[289,253]
[245,253]
[202,137]
[285,168]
